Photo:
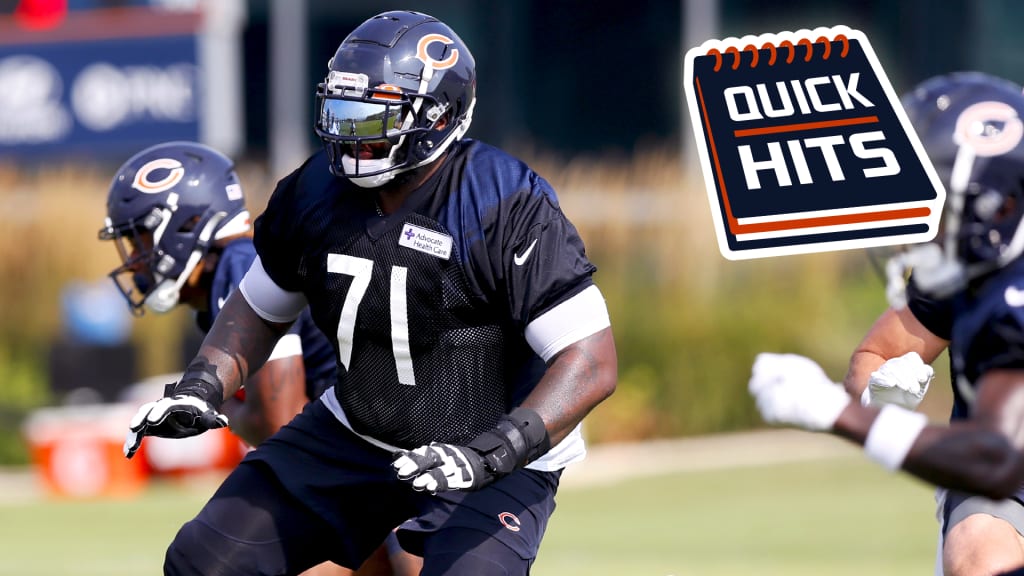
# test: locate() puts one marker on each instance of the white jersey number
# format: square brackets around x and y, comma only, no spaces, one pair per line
[360,269]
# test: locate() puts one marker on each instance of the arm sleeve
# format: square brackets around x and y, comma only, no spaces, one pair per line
[267,299]
[289,345]
[569,322]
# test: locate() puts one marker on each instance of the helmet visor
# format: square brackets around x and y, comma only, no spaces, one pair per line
[355,120]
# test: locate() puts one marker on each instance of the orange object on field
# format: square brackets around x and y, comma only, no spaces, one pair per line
[77,451]
[211,451]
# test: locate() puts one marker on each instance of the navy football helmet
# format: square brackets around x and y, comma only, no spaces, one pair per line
[166,205]
[972,126]
[399,91]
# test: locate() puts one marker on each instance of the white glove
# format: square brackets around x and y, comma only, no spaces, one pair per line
[902,381]
[439,467]
[178,416]
[794,390]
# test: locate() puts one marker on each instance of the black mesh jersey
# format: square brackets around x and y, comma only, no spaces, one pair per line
[429,304]
[234,262]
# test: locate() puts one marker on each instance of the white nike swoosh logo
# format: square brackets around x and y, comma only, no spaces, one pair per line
[1014,297]
[220,302]
[520,258]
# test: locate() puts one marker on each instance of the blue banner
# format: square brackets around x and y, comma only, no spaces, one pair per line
[98,97]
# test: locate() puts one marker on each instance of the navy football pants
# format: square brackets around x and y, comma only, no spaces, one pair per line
[316,491]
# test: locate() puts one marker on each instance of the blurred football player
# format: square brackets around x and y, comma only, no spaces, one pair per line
[471,339]
[177,214]
[966,292]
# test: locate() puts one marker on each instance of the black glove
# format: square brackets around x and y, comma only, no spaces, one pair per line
[188,408]
[517,439]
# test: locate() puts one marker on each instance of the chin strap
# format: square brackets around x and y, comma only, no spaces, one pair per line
[165,297]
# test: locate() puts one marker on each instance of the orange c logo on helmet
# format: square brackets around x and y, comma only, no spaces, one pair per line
[421,52]
[975,127]
[144,184]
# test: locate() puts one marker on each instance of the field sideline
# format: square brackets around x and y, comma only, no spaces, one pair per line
[610,464]
[615,463]
[769,503]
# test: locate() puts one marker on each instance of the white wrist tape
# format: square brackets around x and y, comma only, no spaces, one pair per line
[892,434]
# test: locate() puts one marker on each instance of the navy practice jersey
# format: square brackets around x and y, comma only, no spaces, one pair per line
[985,327]
[317,355]
[429,304]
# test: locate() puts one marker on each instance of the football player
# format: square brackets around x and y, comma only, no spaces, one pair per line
[966,292]
[470,337]
[177,214]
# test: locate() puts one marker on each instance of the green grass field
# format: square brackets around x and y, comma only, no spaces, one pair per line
[837,516]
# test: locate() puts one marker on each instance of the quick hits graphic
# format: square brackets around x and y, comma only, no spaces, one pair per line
[804,146]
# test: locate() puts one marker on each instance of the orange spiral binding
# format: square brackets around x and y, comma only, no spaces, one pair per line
[771,47]
[737,54]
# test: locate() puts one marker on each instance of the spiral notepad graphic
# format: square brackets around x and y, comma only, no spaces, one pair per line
[804,146]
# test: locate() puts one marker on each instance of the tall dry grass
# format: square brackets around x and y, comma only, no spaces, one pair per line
[49,219]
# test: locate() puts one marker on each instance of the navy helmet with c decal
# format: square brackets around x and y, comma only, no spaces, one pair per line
[165,207]
[399,91]
[972,126]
